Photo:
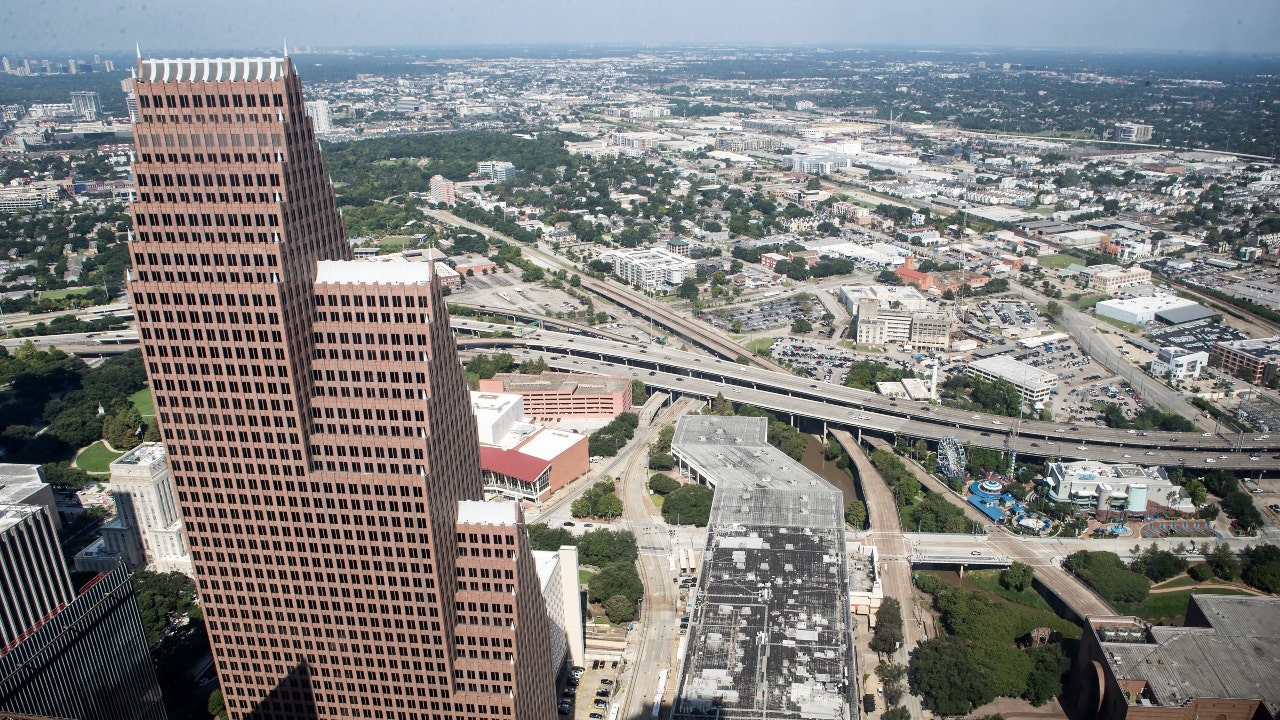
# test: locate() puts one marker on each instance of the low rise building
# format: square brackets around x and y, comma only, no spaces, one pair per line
[1035,385]
[890,297]
[449,277]
[876,326]
[1109,278]
[1179,364]
[1133,132]
[1123,488]
[1253,360]
[1220,663]
[654,269]
[1140,310]
[498,170]
[554,396]
[519,459]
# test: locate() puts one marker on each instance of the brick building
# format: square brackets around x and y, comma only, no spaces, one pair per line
[552,396]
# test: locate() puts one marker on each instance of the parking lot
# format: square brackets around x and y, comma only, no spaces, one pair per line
[1195,336]
[766,314]
[1018,317]
[589,696]
[1078,404]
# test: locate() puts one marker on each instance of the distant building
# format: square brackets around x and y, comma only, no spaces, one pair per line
[1253,360]
[497,170]
[874,325]
[86,105]
[1179,364]
[771,630]
[130,99]
[890,297]
[1109,278]
[558,572]
[320,114]
[443,191]
[1128,488]
[940,281]
[449,277]
[555,396]
[1218,664]
[652,269]
[1035,385]
[1133,132]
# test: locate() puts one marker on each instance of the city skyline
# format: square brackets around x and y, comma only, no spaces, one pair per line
[1236,26]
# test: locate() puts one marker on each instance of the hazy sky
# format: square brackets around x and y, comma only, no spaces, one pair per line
[1251,26]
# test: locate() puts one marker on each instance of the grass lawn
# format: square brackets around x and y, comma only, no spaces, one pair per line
[393,243]
[1120,324]
[1057,262]
[59,294]
[143,401]
[584,576]
[989,580]
[96,458]
[657,500]
[1167,606]
[1088,301]
[760,344]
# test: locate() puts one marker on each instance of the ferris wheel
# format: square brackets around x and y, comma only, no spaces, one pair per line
[951,458]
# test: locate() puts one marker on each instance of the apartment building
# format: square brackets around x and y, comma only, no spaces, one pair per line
[443,191]
[653,269]
[1035,385]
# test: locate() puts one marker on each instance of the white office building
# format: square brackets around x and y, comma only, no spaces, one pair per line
[1116,488]
[1179,364]
[499,170]
[320,114]
[1034,384]
[890,297]
[497,414]
[655,269]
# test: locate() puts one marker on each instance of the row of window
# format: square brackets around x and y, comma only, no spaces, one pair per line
[195,140]
[208,180]
[234,198]
[206,220]
[222,238]
[221,100]
[224,158]
[321,338]
[409,301]
[347,317]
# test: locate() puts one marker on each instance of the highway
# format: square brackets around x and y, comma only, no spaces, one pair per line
[700,376]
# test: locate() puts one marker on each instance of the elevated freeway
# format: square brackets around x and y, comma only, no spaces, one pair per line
[829,404]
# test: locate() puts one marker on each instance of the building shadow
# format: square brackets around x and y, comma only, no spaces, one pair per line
[291,698]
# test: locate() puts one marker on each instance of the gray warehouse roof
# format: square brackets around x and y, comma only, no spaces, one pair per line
[770,633]
[1186,314]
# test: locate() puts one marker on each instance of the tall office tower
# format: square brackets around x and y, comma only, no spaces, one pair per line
[86,105]
[317,423]
[89,659]
[320,114]
[33,575]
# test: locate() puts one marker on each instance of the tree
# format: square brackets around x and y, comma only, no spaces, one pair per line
[662,484]
[608,506]
[855,514]
[1200,572]
[897,713]
[163,598]
[1159,565]
[1107,575]
[1044,683]
[581,508]
[688,505]
[619,609]
[616,579]
[605,547]
[688,289]
[639,393]
[544,537]
[943,676]
[217,706]
[888,632]
[801,325]
[1017,577]
[1053,310]
[813,183]
[1223,562]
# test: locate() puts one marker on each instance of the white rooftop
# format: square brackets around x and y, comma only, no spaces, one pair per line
[478,512]
[1018,373]
[546,562]
[489,406]
[361,272]
[1156,303]
[550,444]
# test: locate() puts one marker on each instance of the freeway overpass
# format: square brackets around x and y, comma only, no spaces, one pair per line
[828,404]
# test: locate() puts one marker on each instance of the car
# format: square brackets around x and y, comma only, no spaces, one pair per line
[985,434]
[564,709]
[1206,434]
[587,525]
[653,372]
[1255,457]
[606,681]
[679,378]
[603,693]
[600,704]
[1149,452]
[569,523]
[976,417]
[1035,444]
[1210,460]
[1222,457]
[568,692]
[997,422]
[596,716]
[1081,447]
[1126,455]
[975,552]
[1131,432]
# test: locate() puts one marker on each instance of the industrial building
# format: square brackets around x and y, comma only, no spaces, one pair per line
[554,396]
[1254,360]
[654,269]
[1141,310]
[1034,384]
[771,630]
[1179,364]
[1124,487]
[1221,663]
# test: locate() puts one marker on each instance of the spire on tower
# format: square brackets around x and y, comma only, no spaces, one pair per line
[138,46]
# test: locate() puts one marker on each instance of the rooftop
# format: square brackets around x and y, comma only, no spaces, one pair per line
[512,463]
[1258,347]
[489,406]
[144,454]
[563,383]
[11,515]
[1018,373]
[19,481]
[477,512]
[550,444]
[1156,303]
[771,626]
[1227,650]
[362,272]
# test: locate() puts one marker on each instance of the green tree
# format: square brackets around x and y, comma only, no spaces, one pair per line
[619,609]
[581,508]
[606,547]
[942,674]
[163,598]
[688,289]
[1200,572]
[1017,577]
[888,632]
[216,706]
[616,579]
[897,713]
[1049,665]
[662,484]
[544,537]
[688,505]
[1159,565]
[1053,310]
[801,325]
[1224,562]
[639,393]
[855,514]
[608,506]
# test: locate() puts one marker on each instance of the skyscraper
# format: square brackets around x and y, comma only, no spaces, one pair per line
[33,576]
[318,427]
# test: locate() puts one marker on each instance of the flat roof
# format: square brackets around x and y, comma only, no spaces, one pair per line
[549,444]
[770,629]
[478,512]
[563,382]
[1230,651]
[145,454]
[1018,373]
[1157,303]
[1186,314]
[363,272]
[19,481]
[488,406]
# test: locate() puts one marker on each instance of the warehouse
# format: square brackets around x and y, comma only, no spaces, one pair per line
[1140,310]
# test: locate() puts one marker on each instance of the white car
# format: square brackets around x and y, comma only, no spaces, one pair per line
[1210,460]
[996,422]
[1150,452]
[1206,434]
